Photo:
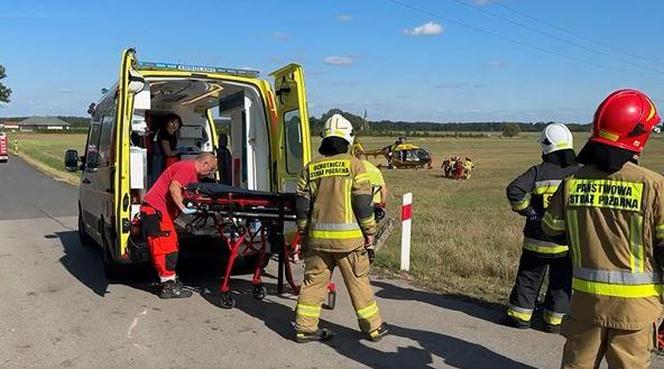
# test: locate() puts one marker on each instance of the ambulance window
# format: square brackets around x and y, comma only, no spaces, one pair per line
[106,138]
[92,151]
[293,141]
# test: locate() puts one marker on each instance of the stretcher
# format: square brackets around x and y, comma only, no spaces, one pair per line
[250,221]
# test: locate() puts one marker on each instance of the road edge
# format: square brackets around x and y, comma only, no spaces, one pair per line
[47,170]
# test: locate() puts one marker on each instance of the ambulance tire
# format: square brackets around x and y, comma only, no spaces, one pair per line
[113,270]
[83,236]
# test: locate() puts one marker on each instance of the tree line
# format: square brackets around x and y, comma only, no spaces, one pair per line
[389,127]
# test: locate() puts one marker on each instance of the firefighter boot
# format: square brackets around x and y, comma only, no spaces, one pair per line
[174,290]
[319,335]
[551,328]
[378,333]
[514,322]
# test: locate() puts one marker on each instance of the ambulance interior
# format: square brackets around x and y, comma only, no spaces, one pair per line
[239,106]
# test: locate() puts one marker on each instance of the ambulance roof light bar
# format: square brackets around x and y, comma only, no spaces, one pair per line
[197,68]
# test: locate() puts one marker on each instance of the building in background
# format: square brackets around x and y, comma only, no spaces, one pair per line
[37,123]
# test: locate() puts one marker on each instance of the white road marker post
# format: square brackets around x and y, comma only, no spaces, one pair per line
[406,220]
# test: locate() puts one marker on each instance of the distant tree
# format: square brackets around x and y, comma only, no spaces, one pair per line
[511,130]
[4,91]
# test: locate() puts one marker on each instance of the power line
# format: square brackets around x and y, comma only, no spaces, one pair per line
[556,37]
[512,40]
[572,33]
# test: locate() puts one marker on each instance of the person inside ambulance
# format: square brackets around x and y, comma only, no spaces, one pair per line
[161,205]
[612,211]
[164,148]
[335,220]
[529,196]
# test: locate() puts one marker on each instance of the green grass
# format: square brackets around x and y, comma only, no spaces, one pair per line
[47,151]
[466,240]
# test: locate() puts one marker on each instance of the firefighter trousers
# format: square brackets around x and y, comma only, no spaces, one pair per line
[354,267]
[529,279]
[162,241]
[588,344]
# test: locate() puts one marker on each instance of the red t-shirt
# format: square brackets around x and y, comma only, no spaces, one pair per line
[159,197]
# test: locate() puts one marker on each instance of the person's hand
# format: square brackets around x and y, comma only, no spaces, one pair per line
[368,240]
[189,211]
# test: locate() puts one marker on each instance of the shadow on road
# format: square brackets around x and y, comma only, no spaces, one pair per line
[198,266]
[349,342]
[479,309]
[84,263]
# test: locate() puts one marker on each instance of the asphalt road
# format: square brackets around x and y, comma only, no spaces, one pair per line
[58,310]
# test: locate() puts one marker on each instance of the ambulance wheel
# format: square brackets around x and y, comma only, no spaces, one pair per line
[259,291]
[227,301]
[86,240]
[112,269]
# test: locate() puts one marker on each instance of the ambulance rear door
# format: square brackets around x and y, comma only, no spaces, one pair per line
[293,147]
[129,84]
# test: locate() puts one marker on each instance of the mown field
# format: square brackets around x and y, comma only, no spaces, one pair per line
[47,151]
[466,240]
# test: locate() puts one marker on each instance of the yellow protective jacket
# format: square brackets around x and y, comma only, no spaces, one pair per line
[334,203]
[615,225]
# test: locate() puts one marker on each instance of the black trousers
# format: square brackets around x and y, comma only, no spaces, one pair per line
[529,278]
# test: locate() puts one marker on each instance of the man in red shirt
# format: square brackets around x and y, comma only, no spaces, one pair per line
[161,205]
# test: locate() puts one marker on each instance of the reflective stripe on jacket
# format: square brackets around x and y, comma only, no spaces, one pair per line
[613,221]
[335,203]
[532,191]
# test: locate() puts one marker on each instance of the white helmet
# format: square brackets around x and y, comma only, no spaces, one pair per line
[555,137]
[338,126]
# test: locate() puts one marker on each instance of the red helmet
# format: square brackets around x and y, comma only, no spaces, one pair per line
[625,119]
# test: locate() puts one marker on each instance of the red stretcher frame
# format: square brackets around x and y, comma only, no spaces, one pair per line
[230,214]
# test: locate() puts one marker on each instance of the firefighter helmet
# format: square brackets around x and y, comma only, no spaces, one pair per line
[555,137]
[338,126]
[625,119]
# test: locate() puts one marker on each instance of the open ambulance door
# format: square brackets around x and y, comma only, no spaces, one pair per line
[129,84]
[293,147]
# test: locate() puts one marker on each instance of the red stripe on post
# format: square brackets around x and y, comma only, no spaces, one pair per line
[406,212]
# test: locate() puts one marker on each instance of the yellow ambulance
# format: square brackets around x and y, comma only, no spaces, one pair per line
[267,125]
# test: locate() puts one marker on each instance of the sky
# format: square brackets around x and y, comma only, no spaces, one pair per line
[412,60]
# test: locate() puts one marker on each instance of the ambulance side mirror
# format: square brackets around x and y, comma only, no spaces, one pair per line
[71,160]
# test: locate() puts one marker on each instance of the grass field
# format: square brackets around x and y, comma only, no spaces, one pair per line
[47,151]
[466,240]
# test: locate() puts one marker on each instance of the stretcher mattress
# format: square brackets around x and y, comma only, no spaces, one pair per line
[218,190]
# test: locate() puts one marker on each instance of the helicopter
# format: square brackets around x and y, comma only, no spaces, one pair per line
[399,155]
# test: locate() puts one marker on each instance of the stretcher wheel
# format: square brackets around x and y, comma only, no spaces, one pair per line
[259,292]
[227,301]
[331,300]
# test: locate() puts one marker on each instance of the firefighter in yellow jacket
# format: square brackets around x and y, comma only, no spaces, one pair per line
[613,213]
[335,219]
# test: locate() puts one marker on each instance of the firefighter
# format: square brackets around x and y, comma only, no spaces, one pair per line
[612,210]
[376,180]
[468,167]
[335,219]
[161,205]
[379,190]
[529,195]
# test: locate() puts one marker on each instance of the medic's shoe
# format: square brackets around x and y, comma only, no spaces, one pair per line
[174,290]
[319,335]
[378,333]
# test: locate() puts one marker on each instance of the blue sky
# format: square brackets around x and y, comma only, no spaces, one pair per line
[443,61]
